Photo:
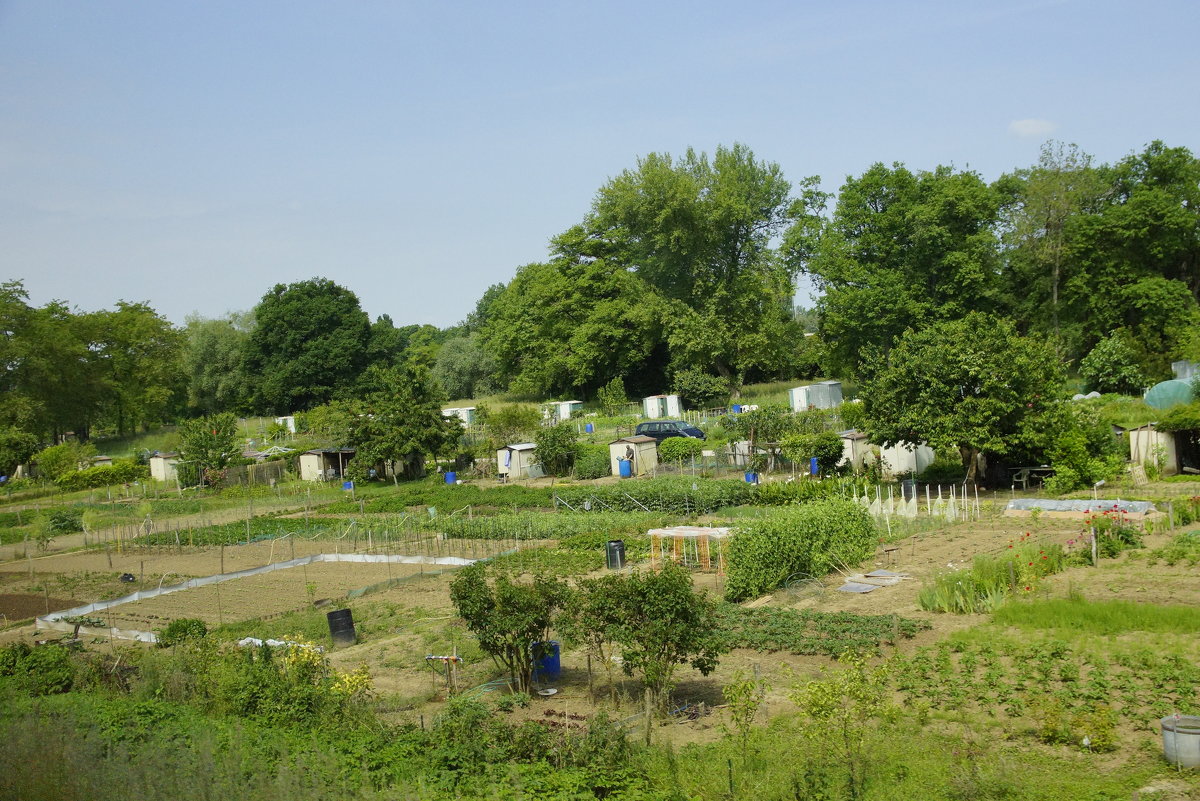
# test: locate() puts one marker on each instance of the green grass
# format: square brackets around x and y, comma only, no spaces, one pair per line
[1099,617]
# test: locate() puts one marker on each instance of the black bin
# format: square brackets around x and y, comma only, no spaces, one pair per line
[341,627]
[615,554]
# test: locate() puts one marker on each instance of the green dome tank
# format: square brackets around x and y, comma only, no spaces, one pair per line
[1169,393]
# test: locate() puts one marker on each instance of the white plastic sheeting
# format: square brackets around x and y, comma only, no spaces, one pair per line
[55,621]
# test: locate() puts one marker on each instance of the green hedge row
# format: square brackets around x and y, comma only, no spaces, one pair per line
[123,472]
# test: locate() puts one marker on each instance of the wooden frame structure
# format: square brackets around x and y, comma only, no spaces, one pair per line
[700,547]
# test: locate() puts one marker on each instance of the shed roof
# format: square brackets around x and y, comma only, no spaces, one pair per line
[634,438]
[688,532]
[520,446]
[326,451]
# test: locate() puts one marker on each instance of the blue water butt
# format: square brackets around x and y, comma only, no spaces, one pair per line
[737,408]
[589,428]
[549,667]
[451,477]
[752,478]
[625,467]
[813,467]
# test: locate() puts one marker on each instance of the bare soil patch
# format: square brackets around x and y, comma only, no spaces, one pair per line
[22,606]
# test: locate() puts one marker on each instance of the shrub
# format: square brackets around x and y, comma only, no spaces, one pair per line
[810,539]
[826,446]
[1112,366]
[181,630]
[612,397]
[61,460]
[125,471]
[38,671]
[591,461]
[672,495]
[943,470]
[676,449]
[556,446]
[65,521]
[699,390]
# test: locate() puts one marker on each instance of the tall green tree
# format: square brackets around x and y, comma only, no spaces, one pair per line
[309,341]
[396,418]
[212,362]
[971,384]
[701,233]
[1040,221]
[140,360]
[902,250]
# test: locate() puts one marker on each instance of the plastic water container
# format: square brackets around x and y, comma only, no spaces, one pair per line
[614,554]
[752,478]
[451,477]
[736,408]
[589,428]
[813,467]
[625,468]
[549,666]
[1181,740]
[341,627]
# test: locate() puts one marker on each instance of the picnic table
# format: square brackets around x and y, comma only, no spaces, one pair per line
[1024,475]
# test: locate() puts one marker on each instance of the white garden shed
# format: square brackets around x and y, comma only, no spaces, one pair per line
[517,461]
[657,407]
[163,466]
[642,451]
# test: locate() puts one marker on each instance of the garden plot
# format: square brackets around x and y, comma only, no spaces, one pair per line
[255,596]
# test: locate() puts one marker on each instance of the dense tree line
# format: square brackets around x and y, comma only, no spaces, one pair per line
[683,270]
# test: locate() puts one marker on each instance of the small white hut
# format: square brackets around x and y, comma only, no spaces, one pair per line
[822,395]
[163,466]
[657,407]
[1147,444]
[641,451]
[465,413]
[517,461]
[289,422]
[904,458]
[855,449]
[324,464]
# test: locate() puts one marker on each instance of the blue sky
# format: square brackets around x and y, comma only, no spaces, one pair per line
[194,154]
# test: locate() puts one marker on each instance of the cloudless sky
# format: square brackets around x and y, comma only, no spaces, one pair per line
[193,154]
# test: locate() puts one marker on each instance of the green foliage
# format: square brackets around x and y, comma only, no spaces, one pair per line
[970,383]
[840,711]
[510,424]
[811,539]
[310,340]
[826,446]
[991,580]
[65,520]
[45,670]
[1181,418]
[1115,532]
[766,424]
[124,471]
[396,418]
[592,461]
[673,495]
[1112,366]
[656,619]
[1102,617]
[511,620]
[181,630]
[677,449]
[556,446]
[16,448]
[60,460]
[807,632]
[464,369]
[1082,451]
[212,362]
[612,397]
[903,250]
[699,390]
[206,446]
[434,492]
[744,694]
[943,470]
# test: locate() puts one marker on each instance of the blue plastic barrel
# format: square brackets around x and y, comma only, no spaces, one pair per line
[451,477]
[812,466]
[625,467]
[737,408]
[549,667]
[752,478]
[589,428]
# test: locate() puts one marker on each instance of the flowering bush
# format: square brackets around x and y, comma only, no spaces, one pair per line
[1114,531]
